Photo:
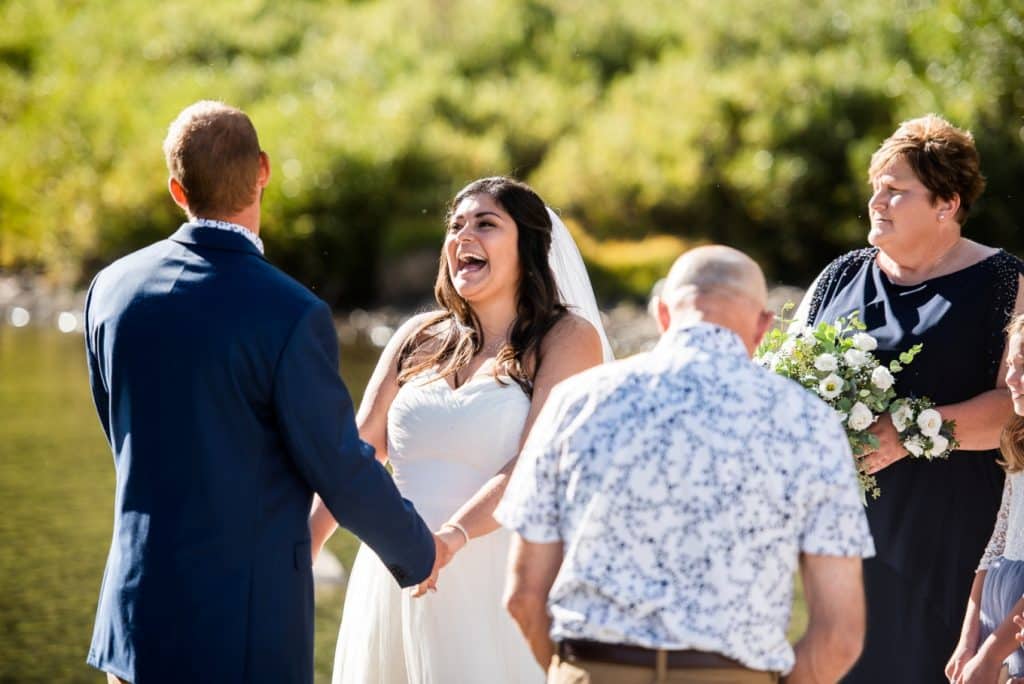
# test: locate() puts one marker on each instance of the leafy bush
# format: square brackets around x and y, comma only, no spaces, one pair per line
[736,121]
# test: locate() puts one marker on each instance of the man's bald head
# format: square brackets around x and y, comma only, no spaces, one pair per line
[719,285]
[715,271]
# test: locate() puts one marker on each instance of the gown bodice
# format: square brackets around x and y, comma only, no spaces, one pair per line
[445,443]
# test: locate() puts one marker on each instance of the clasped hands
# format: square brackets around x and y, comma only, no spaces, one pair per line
[967,665]
[447,542]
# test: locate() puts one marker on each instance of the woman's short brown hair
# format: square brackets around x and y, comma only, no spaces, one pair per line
[213,151]
[942,156]
[1011,440]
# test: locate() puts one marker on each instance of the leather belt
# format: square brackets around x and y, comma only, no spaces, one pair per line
[621,654]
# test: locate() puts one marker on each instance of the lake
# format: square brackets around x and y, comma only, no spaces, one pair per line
[56,485]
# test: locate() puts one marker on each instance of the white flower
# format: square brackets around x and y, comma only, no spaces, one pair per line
[826,363]
[902,416]
[807,333]
[830,386]
[939,445]
[930,422]
[914,445]
[766,360]
[865,342]
[882,378]
[855,358]
[861,417]
[788,347]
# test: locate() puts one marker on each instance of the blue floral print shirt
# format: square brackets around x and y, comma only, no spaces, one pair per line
[232,228]
[684,484]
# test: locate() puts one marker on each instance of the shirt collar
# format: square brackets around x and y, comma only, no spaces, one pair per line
[233,227]
[703,336]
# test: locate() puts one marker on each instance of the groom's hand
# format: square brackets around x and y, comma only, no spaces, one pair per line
[442,555]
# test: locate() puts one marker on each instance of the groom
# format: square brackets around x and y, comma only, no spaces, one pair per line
[215,376]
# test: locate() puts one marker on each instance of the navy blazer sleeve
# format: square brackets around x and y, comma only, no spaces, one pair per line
[317,419]
[100,396]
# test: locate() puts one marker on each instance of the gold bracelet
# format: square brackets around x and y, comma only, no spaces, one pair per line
[457,526]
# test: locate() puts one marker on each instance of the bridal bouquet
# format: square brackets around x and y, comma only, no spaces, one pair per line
[836,363]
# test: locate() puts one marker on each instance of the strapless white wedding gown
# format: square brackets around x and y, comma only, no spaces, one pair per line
[443,445]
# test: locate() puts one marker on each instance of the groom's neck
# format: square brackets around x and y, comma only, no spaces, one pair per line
[248,218]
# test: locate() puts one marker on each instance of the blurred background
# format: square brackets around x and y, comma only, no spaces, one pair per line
[651,125]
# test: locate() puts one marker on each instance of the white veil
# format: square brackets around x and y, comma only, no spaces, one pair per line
[572,280]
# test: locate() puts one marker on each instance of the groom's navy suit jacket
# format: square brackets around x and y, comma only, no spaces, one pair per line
[216,379]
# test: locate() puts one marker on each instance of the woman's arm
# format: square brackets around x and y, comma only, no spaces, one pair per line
[571,346]
[371,419]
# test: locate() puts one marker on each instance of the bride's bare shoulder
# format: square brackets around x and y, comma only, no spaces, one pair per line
[422,331]
[572,334]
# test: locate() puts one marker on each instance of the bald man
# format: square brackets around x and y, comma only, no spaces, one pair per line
[663,502]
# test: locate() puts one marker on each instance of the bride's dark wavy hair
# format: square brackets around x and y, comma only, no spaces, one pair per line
[450,338]
[1011,439]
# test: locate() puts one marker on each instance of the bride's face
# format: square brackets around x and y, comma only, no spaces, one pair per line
[1015,372]
[482,250]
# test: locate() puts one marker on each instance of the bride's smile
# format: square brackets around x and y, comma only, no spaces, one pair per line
[481,250]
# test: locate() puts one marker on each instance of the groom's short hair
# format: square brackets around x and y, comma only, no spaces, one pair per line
[212,150]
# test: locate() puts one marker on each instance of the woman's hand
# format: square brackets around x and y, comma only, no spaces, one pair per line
[890,448]
[958,661]
[452,538]
[449,541]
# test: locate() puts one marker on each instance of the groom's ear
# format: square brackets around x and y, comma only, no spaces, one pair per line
[264,176]
[177,193]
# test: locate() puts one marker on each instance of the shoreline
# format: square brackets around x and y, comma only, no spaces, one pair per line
[29,300]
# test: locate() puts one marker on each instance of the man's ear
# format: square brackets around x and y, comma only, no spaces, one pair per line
[264,177]
[765,321]
[663,316]
[177,193]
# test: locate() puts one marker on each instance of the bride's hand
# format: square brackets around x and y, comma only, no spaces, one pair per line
[453,539]
[442,556]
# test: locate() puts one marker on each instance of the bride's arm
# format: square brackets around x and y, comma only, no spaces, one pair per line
[571,346]
[372,421]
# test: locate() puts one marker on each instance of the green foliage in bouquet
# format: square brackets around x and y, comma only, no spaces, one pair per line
[837,364]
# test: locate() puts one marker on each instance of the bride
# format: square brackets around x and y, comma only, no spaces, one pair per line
[449,404]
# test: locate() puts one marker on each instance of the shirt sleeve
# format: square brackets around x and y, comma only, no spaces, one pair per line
[835,523]
[997,542]
[531,506]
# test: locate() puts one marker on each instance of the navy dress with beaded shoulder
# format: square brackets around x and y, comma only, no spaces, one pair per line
[933,518]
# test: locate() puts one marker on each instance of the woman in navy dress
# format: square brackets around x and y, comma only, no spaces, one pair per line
[921,281]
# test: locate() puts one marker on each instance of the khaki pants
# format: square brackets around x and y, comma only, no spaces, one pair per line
[590,672]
